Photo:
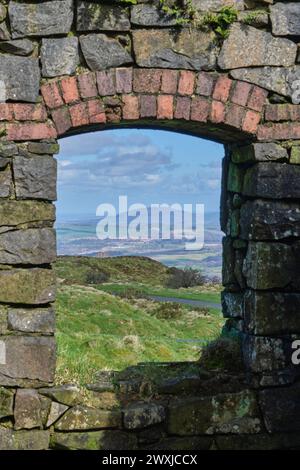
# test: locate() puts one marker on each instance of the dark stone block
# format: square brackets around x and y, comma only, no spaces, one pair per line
[21,78]
[281,408]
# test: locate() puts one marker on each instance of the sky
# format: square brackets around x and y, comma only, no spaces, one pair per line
[148,166]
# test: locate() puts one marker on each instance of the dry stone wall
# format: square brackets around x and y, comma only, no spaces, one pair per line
[68,67]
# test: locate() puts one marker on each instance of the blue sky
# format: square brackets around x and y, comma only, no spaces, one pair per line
[149,166]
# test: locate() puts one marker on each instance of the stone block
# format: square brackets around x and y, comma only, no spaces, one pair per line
[38,320]
[59,56]
[95,17]
[83,418]
[142,415]
[27,411]
[102,52]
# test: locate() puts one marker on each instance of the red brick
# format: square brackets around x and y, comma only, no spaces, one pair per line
[183,108]
[87,85]
[62,120]
[146,80]
[235,115]
[79,115]
[282,112]
[279,131]
[30,131]
[148,106]
[186,83]
[106,83]
[29,112]
[205,84]
[165,105]
[169,81]
[69,89]
[241,93]
[217,112]
[51,95]
[222,88]
[199,109]
[124,80]
[257,99]
[96,112]
[6,112]
[131,107]
[251,121]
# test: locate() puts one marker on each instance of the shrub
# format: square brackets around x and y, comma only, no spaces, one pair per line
[223,354]
[168,311]
[96,277]
[187,277]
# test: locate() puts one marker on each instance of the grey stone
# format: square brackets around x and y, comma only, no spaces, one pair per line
[141,415]
[35,177]
[285,18]
[217,5]
[249,47]
[17,47]
[4,33]
[3,321]
[259,153]
[235,178]
[31,246]
[188,49]
[272,181]
[6,402]
[59,56]
[228,276]
[21,78]
[269,220]
[263,354]
[67,394]
[8,149]
[97,440]
[281,408]
[5,182]
[24,440]
[28,357]
[4,162]
[95,17]
[272,313]
[27,410]
[270,265]
[102,52]
[56,411]
[17,214]
[257,18]
[40,19]
[38,320]
[277,79]
[3,12]
[43,148]
[233,304]
[151,15]
[27,286]
[83,418]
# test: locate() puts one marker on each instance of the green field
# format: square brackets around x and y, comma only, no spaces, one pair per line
[97,330]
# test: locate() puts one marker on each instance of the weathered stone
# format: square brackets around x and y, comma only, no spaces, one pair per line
[6,403]
[27,286]
[235,178]
[269,220]
[56,411]
[259,153]
[285,18]
[14,214]
[66,394]
[281,408]
[217,5]
[59,56]
[272,181]
[233,304]
[4,33]
[8,149]
[17,47]
[21,78]
[234,413]
[45,409]
[40,320]
[187,49]
[40,19]
[141,415]
[277,79]
[3,321]
[43,148]
[86,418]
[5,182]
[103,400]
[228,276]
[24,440]
[28,357]
[3,12]
[257,18]
[249,47]
[35,177]
[151,15]
[95,17]
[31,246]
[264,354]
[97,440]
[270,265]
[27,412]
[272,313]
[102,52]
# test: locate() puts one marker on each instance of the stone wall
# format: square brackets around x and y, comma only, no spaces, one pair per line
[70,67]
